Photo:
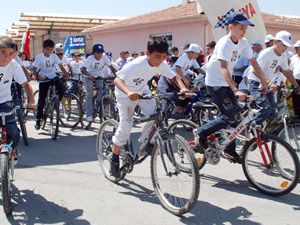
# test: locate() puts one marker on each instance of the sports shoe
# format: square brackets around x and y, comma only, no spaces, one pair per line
[196,137]
[16,155]
[236,158]
[38,124]
[114,167]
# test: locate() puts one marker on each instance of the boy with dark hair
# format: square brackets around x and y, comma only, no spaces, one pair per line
[44,68]
[9,70]
[131,82]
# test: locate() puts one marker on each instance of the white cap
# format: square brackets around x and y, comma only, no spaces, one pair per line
[289,54]
[297,44]
[269,37]
[257,42]
[194,48]
[285,37]
[59,46]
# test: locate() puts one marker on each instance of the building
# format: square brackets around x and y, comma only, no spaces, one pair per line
[54,26]
[183,23]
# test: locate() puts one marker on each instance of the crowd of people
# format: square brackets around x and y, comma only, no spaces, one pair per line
[230,68]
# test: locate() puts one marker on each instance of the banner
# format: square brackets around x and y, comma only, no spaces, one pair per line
[75,44]
[217,12]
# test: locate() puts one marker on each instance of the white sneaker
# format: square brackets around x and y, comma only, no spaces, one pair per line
[89,119]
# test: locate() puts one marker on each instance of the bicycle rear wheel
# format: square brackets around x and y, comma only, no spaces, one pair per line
[273,168]
[70,111]
[5,183]
[54,119]
[104,149]
[176,183]
[185,129]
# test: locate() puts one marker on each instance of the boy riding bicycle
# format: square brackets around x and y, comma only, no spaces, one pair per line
[131,82]
[9,70]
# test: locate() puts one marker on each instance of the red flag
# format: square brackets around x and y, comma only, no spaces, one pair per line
[27,45]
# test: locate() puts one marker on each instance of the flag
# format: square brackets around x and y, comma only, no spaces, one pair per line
[217,16]
[26,48]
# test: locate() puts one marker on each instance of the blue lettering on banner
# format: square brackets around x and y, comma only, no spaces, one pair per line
[75,44]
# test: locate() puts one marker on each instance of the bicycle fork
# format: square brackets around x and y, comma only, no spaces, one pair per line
[264,150]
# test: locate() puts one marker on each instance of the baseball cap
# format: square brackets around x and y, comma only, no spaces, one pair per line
[59,46]
[98,48]
[109,54]
[269,37]
[285,37]
[194,48]
[240,18]
[257,42]
[297,44]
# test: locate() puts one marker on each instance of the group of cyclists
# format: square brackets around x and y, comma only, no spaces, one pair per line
[178,73]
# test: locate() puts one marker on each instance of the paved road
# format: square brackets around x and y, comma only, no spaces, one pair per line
[60,182]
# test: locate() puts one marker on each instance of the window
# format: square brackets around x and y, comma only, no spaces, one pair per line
[168,36]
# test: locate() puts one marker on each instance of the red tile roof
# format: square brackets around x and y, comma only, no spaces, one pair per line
[181,12]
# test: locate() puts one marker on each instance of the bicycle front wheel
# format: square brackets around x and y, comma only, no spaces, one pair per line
[5,183]
[272,166]
[21,120]
[70,111]
[175,182]
[54,119]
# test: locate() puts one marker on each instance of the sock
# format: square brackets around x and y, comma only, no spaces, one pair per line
[115,158]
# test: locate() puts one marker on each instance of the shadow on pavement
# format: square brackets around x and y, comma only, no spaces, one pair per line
[243,187]
[201,213]
[32,208]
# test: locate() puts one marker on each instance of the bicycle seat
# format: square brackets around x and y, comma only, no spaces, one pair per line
[203,105]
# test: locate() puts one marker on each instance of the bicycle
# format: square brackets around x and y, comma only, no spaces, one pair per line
[7,164]
[262,154]
[71,112]
[18,100]
[171,158]
[51,110]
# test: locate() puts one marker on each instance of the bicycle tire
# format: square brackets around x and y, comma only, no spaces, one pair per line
[67,117]
[5,183]
[282,184]
[292,138]
[54,119]
[21,119]
[103,152]
[193,190]
[183,126]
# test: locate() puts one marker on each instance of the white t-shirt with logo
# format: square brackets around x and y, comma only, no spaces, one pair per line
[96,67]
[76,67]
[268,62]
[7,73]
[138,72]
[185,64]
[228,51]
[64,61]
[295,66]
[46,66]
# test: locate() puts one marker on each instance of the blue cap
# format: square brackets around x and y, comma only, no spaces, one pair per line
[240,18]
[98,48]
[109,54]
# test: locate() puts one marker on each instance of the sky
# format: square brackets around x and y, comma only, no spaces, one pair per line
[119,8]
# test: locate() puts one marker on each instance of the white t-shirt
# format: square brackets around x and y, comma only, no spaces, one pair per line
[76,67]
[278,78]
[242,62]
[228,51]
[64,61]
[96,67]
[137,73]
[7,73]
[185,64]
[295,66]
[46,66]
[268,62]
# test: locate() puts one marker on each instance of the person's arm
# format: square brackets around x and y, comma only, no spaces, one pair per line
[71,69]
[64,71]
[201,71]
[26,72]
[181,75]
[86,73]
[113,70]
[120,84]
[257,71]
[28,89]
[289,75]
[228,78]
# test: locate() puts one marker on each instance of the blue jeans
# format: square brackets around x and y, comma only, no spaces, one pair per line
[225,99]
[89,94]
[266,102]
[13,132]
